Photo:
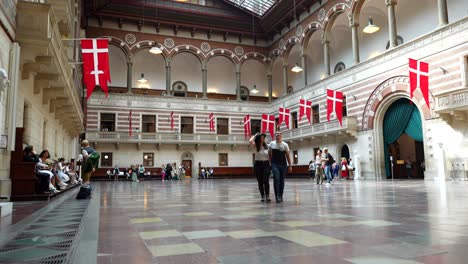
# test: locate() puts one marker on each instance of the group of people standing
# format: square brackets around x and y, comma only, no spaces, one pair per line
[274,158]
[171,172]
[325,167]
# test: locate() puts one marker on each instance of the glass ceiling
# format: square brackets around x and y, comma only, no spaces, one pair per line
[259,7]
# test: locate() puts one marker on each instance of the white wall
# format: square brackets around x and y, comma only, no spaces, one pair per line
[371,45]
[295,79]
[341,49]
[277,75]
[314,53]
[153,66]
[457,9]
[221,75]
[416,18]
[255,72]
[118,67]
[187,68]
[4,154]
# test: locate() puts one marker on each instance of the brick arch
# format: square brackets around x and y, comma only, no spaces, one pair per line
[333,13]
[186,49]
[223,53]
[119,44]
[312,28]
[254,56]
[148,44]
[394,86]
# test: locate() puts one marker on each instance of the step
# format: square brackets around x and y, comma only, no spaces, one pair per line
[6,209]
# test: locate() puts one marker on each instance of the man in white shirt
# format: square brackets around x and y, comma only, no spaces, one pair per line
[279,154]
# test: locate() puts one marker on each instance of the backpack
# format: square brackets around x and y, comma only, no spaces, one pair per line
[84,193]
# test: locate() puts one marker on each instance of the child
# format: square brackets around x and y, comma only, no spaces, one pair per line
[344,168]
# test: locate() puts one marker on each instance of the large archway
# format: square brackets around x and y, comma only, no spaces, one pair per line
[403,140]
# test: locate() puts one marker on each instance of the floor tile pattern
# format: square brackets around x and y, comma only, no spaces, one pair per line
[223,221]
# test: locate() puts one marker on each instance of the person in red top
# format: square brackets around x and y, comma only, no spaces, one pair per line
[344,168]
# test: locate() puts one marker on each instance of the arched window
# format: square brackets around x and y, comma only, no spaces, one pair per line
[339,67]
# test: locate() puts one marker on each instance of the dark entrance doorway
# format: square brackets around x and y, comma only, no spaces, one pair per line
[188,168]
[345,152]
[403,141]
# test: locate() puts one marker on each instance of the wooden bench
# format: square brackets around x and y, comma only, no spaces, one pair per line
[23,178]
[299,171]
[101,174]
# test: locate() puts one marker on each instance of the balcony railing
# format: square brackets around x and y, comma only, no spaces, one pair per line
[452,101]
[349,127]
[125,137]
[328,128]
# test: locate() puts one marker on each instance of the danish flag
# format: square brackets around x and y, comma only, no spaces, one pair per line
[212,122]
[419,78]
[305,107]
[95,55]
[172,121]
[247,131]
[268,123]
[335,104]
[284,114]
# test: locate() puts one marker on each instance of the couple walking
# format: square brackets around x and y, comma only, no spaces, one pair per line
[272,157]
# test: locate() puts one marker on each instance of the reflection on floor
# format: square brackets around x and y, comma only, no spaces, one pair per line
[223,221]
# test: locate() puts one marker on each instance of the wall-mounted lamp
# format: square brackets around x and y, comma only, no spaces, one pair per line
[3,80]
[443,70]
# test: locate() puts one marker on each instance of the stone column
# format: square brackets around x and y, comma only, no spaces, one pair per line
[270,87]
[238,85]
[304,68]
[392,28]
[326,56]
[285,79]
[443,13]
[204,83]
[129,77]
[168,80]
[355,36]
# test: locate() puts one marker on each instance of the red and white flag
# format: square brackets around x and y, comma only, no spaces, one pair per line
[419,78]
[130,123]
[284,115]
[95,55]
[172,121]
[305,107]
[268,123]
[212,122]
[247,129]
[335,104]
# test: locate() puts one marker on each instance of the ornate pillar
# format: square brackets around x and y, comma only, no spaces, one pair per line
[326,55]
[238,85]
[304,68]
[270,87]
[129,77]
[355,36]
[443,13]
[168,79]
[392,28]
[285,79]
[204,82]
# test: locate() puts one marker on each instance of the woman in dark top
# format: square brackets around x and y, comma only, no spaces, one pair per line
[29,155]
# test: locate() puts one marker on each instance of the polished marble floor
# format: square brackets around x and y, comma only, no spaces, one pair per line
[223,221]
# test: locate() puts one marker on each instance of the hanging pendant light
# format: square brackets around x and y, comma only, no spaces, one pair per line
[370,28]
[142,79]
[155,50]
[254,90]
[296,68]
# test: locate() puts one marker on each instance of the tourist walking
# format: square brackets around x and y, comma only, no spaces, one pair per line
[328,160]
[280,163]
[141,172]
[319,167]
[262,165]
[312,169]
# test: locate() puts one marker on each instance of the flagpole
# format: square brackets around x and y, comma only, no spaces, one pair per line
[73,39]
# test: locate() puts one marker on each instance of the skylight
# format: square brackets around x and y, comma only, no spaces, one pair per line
[259,7]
